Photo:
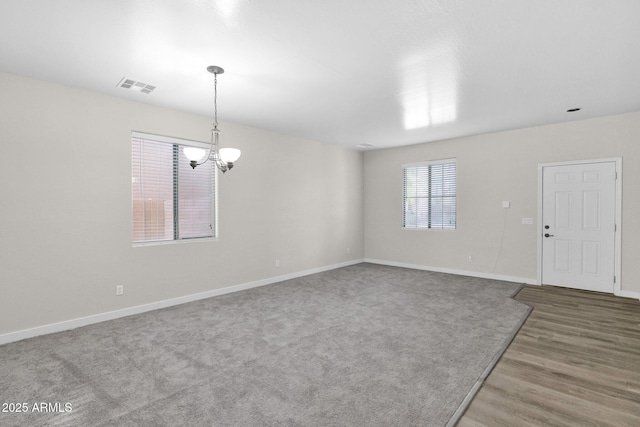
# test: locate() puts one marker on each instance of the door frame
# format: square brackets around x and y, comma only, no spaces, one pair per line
[618,216]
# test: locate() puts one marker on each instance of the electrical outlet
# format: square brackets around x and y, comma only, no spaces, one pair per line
[470,258]
[348,250]
[119,289]
[277,263]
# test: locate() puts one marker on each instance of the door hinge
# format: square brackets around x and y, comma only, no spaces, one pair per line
[615,227]
[614,279]
[616,175]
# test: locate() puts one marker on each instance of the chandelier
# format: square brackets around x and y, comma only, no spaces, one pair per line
[222,157]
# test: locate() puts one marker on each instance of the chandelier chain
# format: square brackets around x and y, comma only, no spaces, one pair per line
[215,101]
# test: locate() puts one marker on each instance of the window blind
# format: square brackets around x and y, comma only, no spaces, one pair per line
[429,195]
[170,200]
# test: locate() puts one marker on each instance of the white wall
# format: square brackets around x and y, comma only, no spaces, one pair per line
[65,206]
[492,168]
[65,225]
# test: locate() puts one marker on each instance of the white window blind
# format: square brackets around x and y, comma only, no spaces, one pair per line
[429,195]
[170,200]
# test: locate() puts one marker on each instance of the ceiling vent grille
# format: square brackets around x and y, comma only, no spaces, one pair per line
[134,85]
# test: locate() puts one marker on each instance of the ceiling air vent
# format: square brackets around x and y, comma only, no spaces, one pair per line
[137,86]
[365,146]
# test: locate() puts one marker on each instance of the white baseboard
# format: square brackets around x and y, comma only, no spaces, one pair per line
[97,318]
[527,280]
[627,294]
[102,317]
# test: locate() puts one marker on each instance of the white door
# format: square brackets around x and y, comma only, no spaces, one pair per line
[578,220]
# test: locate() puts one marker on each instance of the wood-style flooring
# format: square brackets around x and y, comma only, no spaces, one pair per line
[575,362]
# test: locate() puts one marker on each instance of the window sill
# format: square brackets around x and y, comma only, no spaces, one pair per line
[427,228]
[174,242]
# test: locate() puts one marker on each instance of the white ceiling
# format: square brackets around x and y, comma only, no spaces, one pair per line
[345,72]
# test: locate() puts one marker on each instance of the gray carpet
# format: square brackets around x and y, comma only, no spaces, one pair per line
[365,345]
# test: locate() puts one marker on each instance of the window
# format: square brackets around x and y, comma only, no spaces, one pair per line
[170,200]
[429,195]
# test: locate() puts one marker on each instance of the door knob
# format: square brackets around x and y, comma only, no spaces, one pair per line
[548,235]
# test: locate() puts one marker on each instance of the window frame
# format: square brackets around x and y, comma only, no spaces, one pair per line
[429,163]
[179,142]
